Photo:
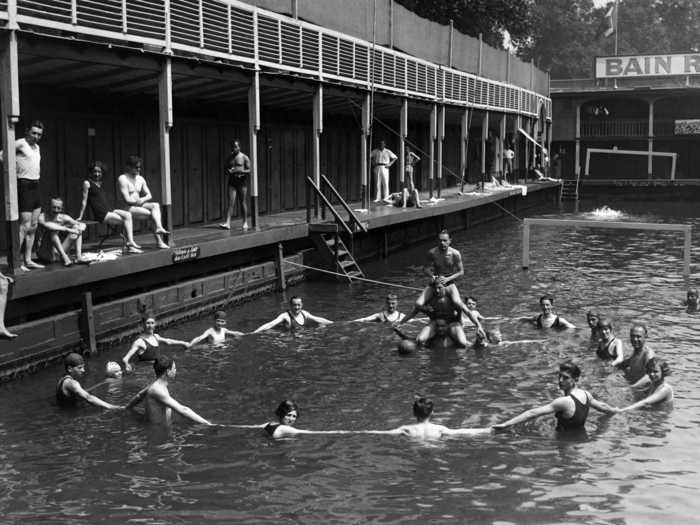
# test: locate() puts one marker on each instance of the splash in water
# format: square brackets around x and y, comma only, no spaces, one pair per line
[606,213]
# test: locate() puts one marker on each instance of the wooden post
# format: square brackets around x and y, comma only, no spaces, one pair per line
[484,136]
[87,318]
[526,244]
[431,148]
[514,145]
[440,139]
[686,251]
[364,159]
[502,143]
[279,266]
[253,128]
[403,133]
[650,162]
[9,97]
[165,121]
[577,153]
[464,147]
[317,112]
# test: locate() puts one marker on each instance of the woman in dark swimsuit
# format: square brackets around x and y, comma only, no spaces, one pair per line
[548,319]
[571,409]
[94,198]
[609,346]
[145,347]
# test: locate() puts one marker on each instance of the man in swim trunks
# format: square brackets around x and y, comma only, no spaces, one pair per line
[424,429]
[159,402]
[295,318]
[389,315]
[445,304]
[635,365]
[28,171]
[59,231]
[444,264]
[237,168]
[571,409]
[68,389]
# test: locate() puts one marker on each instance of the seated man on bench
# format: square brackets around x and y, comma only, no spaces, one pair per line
[138,199]
[59,231]
[94,198]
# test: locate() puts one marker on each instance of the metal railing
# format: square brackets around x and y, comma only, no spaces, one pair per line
[615,127]
[237,32]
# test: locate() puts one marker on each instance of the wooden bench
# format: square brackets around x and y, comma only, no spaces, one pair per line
[112,231]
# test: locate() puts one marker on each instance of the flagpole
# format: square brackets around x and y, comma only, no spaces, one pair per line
[617,16]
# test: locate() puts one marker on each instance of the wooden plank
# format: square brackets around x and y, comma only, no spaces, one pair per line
[215,187]
[178,170]
[194,187]
[288,168]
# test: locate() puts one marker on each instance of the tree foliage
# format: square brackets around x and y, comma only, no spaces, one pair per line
[564,36]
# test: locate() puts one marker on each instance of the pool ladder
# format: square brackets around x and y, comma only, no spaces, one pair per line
[569,190]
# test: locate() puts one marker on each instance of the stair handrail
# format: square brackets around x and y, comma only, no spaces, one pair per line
[351,215]
[325,202]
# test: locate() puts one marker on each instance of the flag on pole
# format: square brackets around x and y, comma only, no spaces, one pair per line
[611,19]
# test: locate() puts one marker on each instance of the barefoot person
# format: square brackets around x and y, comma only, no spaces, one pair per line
[68,389]
[610,348]
[658,390]
[146,345]
[389,315]
[444,264]
[5,283]
[382,159]
[59,232]
[137,197]
[28,170]
[635,365]
[570,410]
[216,335]
[159,403]
[94,199]
[295,318]
[423,428]
[237,168]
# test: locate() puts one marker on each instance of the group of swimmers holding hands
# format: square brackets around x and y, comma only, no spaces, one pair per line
[447,313]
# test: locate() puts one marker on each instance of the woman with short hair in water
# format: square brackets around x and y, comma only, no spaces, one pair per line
[659,391]
[287,413]
[571,409]
[610,347]
[548,319]
[146,345]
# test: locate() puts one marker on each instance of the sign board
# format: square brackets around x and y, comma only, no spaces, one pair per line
[687,127]
[634,66]
[186,253]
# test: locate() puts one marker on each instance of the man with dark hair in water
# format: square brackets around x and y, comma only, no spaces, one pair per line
[159,402]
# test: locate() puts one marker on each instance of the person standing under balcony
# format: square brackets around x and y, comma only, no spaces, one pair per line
[382,159]
[237,167]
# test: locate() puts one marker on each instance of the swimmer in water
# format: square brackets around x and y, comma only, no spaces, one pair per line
[423,428]
[571,409]
[471,306]
[610,347]
[635,365]
[444,265]
[145,347]
[68,389]
[159,403]
[495,338]
[658,390]
[389,315]
[216,335]
[592,318]
[548,319]
[691,300]
[295,318]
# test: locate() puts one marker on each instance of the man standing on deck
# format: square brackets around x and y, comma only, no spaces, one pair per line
[237,168]
[382,159]
[159,402]
[635,365]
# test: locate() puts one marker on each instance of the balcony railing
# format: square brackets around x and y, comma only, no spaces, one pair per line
[234,31]
[615,127]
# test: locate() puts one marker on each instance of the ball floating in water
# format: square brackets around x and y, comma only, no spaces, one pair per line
[406,347]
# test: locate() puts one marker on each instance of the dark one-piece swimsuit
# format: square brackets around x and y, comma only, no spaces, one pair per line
[150,353]
[578,420]
[97,202]
[271,427]
[63,399]
[295,325]
[604,351]
[555,324]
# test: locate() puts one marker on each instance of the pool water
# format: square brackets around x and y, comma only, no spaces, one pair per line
[91,466]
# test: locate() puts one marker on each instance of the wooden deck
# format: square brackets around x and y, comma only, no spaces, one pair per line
[212,241]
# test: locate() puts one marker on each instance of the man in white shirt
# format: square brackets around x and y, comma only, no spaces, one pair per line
[382,159]
[28,167]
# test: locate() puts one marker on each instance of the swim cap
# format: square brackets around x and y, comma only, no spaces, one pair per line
[73,359]
[406,346]
[112,369]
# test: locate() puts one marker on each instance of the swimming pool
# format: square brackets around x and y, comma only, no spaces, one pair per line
[92,466]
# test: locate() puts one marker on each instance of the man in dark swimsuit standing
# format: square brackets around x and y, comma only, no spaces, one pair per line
[571,409]
[68,389]
[237,167]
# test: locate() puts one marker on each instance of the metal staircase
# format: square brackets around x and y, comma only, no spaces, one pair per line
[326,234]
[569,190]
